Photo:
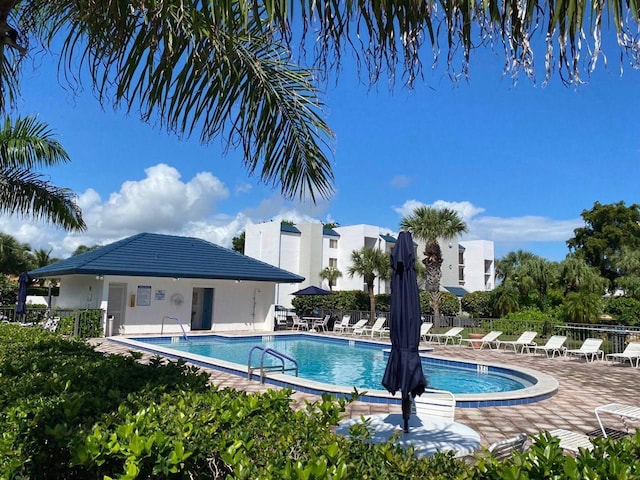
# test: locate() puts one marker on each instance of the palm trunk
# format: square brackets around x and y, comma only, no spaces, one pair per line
[435,303]
[433,263]
[372,302]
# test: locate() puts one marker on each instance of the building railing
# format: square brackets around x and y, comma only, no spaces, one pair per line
[84,323]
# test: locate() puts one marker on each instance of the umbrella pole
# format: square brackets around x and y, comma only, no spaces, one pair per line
[406,410]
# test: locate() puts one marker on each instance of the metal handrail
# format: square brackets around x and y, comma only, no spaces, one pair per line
[184,332]
[270,368]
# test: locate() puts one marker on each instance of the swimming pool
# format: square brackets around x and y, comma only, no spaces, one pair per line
[337,365]
[347,364]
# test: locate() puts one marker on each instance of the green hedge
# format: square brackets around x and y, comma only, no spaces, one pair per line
[68,412]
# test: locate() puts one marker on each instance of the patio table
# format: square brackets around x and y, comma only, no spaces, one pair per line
[427,434]
[623,411]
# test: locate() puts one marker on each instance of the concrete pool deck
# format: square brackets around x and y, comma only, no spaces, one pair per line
[582,387]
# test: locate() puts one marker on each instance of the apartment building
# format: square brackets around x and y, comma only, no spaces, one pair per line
[306,249]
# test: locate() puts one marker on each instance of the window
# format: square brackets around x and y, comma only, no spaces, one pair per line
[333,262]
[333,243]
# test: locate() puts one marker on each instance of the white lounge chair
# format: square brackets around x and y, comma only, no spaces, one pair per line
[590,349]
[488,340]
[524,341]
[343,326]
[322,325]
[378,327]
[451,334]
[299,323]
[554,345]
[424,330]
[631,353]
[359,326]
[571,441]
[51,324]
[435,403]
[504,448]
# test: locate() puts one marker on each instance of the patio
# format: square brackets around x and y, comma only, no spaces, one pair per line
[583,387]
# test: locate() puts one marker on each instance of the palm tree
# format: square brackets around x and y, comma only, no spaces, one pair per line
[507,265]
[505,300]
[25,144]
[430,224]
[42,258]
[15,257]
[578,276]
[370,263]
[330,274]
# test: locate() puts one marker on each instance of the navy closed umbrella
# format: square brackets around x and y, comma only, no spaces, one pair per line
[404,367]
[23,283]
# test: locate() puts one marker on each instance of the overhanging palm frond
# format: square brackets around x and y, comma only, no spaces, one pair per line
[27,143]
[25,193]
[179,64]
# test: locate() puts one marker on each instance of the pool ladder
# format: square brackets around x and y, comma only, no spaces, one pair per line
[184,332]
[264,369]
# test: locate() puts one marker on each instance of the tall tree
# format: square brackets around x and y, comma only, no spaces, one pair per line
[42,258]
[331,275]
[15,257]
[608,228]
[370,263]
[506,265]
[237,242]
[27,144]
[430,224]
[84,249]
[577,276]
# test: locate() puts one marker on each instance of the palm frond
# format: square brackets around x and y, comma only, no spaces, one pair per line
[24,192]
[27,143]
[181,65]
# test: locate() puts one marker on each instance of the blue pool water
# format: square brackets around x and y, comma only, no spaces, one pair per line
[342,363]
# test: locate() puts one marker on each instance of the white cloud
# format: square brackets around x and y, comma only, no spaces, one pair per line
[498,229]
[243,188]
[400,181]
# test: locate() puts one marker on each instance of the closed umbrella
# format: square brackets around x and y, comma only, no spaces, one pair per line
[404,367]
[23,283]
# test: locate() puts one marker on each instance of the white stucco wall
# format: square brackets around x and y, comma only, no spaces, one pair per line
[479,263]
[236,306]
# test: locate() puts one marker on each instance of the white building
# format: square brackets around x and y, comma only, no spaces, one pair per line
[307,249]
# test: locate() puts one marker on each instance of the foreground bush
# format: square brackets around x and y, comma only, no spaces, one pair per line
[68,412]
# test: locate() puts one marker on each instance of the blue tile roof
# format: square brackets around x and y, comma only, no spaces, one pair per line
[330,232]
[156,255]
[457,291]
[388,238]
[288,228]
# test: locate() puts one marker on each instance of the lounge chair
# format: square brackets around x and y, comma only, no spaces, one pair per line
[359,326]
[321,325]
[554,345]
[631,353]
[378,327]
[489,339]
[424,330]
[299,323]
[504,448]
[524,341]
[343,326]
[435,403]
[51,324]
[451,334]
[571,441]
[590,349]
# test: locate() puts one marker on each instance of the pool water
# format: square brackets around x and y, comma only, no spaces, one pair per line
[343,363]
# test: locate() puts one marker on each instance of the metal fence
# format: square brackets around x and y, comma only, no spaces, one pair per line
[83,323]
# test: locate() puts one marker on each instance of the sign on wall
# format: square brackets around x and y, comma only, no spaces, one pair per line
[144,295]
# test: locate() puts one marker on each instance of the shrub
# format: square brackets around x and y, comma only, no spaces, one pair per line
[449,304]
[477,304]
[625,310]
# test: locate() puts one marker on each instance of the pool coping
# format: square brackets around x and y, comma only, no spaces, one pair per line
[545,385]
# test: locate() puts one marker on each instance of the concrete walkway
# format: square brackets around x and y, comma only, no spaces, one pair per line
[583,386]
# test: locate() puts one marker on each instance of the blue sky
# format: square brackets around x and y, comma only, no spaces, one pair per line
[519,162]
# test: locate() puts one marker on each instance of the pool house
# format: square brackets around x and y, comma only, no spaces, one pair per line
[151,283]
